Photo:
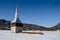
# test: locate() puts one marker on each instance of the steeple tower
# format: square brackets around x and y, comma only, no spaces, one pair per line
[16,19]
[16,25]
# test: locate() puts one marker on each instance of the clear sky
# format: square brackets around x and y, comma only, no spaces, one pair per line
[40,12]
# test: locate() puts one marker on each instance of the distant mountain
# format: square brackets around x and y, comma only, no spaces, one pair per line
[56,27]
[33,27]
[5,24]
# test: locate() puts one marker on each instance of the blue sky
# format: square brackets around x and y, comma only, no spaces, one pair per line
[40,12]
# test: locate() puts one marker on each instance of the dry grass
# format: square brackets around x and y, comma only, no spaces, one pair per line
[32,33]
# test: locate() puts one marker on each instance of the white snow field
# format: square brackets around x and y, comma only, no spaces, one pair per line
[48,35]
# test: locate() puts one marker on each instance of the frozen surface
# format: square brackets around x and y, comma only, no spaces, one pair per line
[48,35]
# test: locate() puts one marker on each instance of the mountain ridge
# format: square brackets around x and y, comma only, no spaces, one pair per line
[5,24]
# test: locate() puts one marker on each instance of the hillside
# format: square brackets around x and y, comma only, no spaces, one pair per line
[4,24]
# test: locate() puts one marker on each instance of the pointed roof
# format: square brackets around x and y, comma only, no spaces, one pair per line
[16,19]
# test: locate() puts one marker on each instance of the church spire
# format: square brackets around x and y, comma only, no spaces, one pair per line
[16,19]
[16,25]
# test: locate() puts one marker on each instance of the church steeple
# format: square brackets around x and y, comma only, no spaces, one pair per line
[16,25]
[16,18]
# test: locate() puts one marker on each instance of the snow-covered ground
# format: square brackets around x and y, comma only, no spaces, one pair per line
[48,35]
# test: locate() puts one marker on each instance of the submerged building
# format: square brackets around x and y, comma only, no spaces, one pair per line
[16,24]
